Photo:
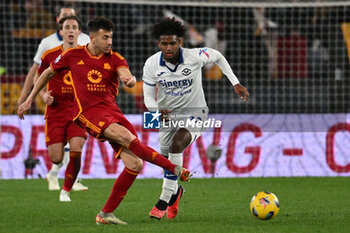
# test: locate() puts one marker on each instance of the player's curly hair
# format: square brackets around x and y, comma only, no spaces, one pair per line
[168,26]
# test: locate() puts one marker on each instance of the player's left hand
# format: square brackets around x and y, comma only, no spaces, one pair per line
[242,92]
[48,98]
[128,80]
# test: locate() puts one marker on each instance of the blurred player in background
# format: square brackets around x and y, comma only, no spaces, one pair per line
[45,44]
[173,85]
[59,100]
[95,69]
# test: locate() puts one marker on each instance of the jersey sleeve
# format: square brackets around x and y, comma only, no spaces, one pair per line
[149,97]
[43,65]
[120,61]
[41,49]
[208,55]
[148,74]
[61,62]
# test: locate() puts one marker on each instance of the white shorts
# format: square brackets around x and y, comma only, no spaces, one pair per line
[189,121]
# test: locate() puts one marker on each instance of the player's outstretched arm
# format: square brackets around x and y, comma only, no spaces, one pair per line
[28,83]
[42,81]
[126,77]
[242,92]
[221,61]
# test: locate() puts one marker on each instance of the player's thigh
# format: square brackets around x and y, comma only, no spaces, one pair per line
[165,138]
[181,140]
[76,137]
[118,134]
[56,152]
[130,160]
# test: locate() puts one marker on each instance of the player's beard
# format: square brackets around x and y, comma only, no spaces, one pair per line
[107,49]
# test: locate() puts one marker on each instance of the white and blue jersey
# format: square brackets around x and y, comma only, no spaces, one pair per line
[179,88]
[55,40]
[180,85]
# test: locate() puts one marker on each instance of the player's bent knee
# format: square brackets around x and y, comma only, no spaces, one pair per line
[178,146]
[136,165]
[119,134]
[56,161]
[56,158]
[77,143]
[180,141]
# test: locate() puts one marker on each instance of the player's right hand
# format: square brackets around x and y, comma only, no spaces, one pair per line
[24,107]
[48,98]
[242,92]
[165,115]
[128,80]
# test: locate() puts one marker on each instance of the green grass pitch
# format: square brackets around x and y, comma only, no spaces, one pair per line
[208,205]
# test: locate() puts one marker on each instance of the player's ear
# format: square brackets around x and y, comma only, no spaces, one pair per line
[158,43]
[181,40]
[91,36]
[61,33]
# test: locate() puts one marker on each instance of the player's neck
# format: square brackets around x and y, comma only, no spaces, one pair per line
[93,50]
[68,45]
[174,60]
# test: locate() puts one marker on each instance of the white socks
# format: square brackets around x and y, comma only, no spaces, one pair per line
[170,184]
[56,167]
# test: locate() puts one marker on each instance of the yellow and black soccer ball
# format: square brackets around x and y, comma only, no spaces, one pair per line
[264,205]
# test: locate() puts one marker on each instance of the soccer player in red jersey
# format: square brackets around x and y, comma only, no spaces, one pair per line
[95,70]
[59,100]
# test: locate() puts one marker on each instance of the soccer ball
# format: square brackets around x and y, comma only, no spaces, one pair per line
[264,205]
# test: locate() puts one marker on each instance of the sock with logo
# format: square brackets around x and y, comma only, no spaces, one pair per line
[170,180]
[147,153]
[72,170]
[120,188]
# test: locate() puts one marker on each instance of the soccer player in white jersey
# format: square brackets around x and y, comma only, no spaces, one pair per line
[47,43]
[173,85]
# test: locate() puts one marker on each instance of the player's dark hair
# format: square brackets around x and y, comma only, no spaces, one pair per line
[60,23]
[59,8]
[168,26]
[100,23]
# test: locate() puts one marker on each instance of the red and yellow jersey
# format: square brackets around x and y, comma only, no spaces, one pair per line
[60,85]
[94,78]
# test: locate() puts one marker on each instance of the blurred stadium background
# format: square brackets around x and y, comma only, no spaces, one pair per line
[293,56]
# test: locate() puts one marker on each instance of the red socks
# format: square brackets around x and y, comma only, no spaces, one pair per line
[147,153]
[72,170]
[120,188]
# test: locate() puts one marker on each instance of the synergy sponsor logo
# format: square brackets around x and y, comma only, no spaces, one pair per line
[176,84]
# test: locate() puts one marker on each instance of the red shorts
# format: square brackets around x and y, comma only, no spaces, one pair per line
[96,120]
[60,129]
